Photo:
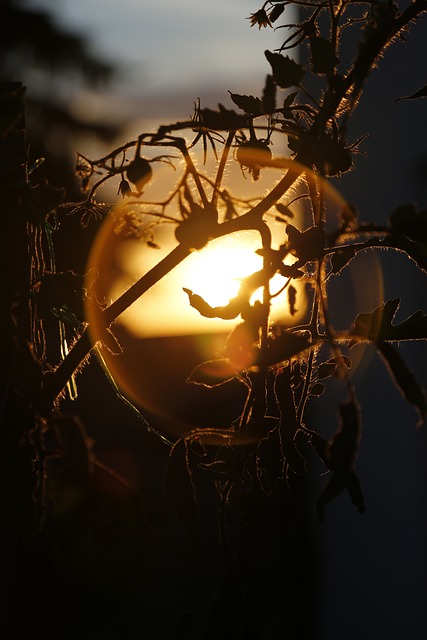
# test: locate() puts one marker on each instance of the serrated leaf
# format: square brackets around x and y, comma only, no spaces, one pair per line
[223,119]
[248,104]
[286,72]
[376,326]
[269,95]
[341,258]
[287,102]
[404,379]
[307,245]
[213,373]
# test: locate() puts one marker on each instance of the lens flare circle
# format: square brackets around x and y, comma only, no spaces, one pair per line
[163,339]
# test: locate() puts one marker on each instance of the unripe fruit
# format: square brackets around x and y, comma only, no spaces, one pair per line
[139,172]
[253,155]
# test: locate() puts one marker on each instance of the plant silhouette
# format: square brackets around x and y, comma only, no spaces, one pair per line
[258,463]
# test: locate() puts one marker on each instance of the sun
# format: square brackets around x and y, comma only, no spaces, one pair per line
[214,273]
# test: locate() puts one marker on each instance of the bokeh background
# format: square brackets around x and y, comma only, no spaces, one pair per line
[141,63]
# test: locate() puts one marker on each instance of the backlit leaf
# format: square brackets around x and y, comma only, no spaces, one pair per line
[341,257]
[377,325]
[213,373]
[248,104]
[286,72]
[404,379]
[269,95]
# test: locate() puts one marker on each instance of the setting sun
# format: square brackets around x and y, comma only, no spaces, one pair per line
[214,273]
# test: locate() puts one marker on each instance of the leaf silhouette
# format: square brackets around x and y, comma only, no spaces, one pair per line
[227,312]
[377,325]
[421,93]
[213,373]
[223,119]
[292,298]
[286,72]
[411,222]
[248,104]
[306,245]
[404,379]
[340,457]
[341,257]
[269,95]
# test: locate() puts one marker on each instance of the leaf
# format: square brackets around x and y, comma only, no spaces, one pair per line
[213,373]
[340,457]
[286,72]
[326,370]
[421,93]
[269,95]
[376,326]
[292,298]
[307,245]
[404,379]
[411,222]
[344,445]
[223,119]
[355,491]
[413,328]
[284,210]
[248,104]
[323,58]
[317,389]
[227,312]
[287,102]
[341,257]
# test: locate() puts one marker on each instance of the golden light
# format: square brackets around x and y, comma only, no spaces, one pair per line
[163,338]
[214,273]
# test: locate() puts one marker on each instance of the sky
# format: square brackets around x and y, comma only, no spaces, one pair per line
[164,46]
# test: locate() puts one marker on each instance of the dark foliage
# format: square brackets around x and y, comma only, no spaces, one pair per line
[256,468]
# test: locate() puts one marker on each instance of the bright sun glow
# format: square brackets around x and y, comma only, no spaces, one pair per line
[213,273]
